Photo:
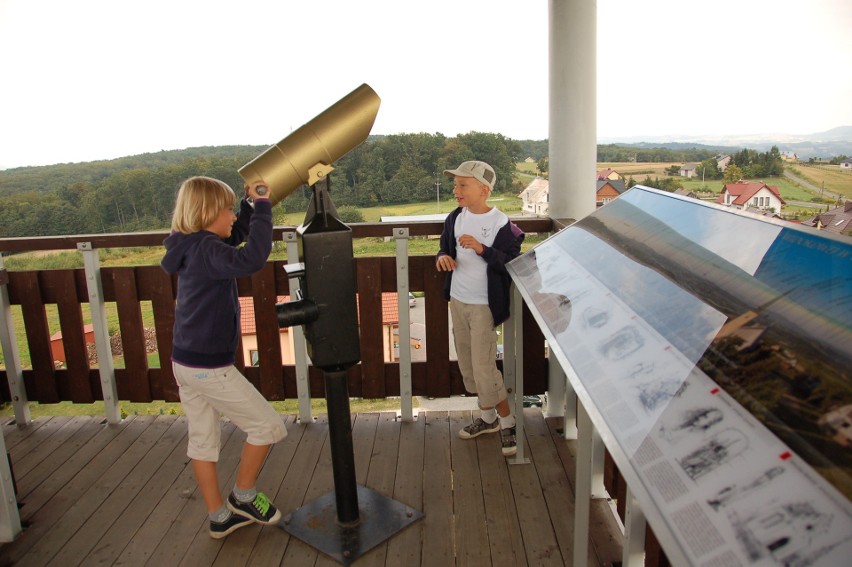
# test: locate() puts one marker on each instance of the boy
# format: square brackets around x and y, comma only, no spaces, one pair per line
[203,250]
[476,243]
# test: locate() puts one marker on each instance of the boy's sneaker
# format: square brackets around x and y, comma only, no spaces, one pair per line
[218,530]
[507,438]
[259,510]
[479,427]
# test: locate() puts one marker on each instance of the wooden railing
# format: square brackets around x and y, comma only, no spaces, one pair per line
[129,286]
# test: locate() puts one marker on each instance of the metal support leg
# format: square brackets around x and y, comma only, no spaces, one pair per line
[402,290]
[513,348]
[300,353]
[99,322]
[634,533]
[364,518]
[9,343]
[598,456]
[583,494]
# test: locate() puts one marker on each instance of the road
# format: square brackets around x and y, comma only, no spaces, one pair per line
[807,185]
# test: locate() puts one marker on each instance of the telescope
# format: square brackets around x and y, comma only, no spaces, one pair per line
[326,309]
[305,156]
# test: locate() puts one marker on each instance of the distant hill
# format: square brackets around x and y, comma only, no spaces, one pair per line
[827,144]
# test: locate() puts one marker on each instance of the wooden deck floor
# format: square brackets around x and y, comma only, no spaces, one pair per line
[94,494]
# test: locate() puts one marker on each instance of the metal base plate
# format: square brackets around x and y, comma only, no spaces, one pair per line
[380,517]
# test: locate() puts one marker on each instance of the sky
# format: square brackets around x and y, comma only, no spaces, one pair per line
[86,80]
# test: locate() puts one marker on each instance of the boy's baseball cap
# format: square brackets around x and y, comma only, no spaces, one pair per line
[479,170]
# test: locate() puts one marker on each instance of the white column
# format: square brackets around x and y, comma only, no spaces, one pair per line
[573,108]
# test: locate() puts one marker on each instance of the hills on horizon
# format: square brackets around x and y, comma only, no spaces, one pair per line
[830,143]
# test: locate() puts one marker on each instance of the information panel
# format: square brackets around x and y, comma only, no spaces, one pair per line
[715,351]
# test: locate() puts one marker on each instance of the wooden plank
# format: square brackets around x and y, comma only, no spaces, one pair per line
[605,546]
[504,532]
[73,337]
[321,482]
[64,529]
[238,546]
[539,538]
[167,525]
[58,449]
[557,492]
[38,337]
[405,547]
[368,274]
[264,298]
[535,364]
[156,285]
[188,535]
[14,433]
[33,441]
[134,386]
[437,525]
[128,500]
[271,546]
[66,496]
[437,345]
[382,472]
[136,513]
[471,534]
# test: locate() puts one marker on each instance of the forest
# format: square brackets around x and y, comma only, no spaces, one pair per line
[137,193]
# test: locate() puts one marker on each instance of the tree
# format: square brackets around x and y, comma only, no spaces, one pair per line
[732,174]
[542,166]
[708,169]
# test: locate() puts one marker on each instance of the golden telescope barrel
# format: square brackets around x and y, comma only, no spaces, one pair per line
[306,155]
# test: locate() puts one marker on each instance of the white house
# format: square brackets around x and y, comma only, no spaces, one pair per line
[846,164]
[744,194]
[535,197]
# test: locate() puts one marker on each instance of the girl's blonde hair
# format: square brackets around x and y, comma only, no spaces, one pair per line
[199,201]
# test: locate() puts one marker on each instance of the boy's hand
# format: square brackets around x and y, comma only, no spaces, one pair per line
[467,241]
[445,263]
[257,190]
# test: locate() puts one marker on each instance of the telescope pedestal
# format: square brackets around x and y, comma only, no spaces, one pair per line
[351,520]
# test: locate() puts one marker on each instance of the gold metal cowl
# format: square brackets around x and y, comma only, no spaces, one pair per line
[306,155]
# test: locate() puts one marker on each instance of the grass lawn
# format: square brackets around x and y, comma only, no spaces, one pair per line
[831,177]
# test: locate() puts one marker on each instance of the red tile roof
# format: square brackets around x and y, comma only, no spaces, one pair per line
[390,312]
[743,191]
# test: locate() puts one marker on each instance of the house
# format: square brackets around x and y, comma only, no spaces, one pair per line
[723,161]
[755,194]
[390,328]
[529,160]
[763,212]
[535,197]
[846,164]
[608,174]
[688,170]
[789,156]
[57,347]
[685,193]
[606,191]
[838,219]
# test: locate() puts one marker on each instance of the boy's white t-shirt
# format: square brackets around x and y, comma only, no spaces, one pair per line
[469,283]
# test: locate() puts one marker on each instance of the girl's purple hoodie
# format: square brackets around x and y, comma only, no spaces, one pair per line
[207,313]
